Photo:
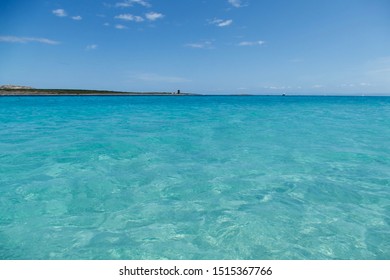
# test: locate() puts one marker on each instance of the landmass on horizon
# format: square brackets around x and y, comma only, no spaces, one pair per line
[7,90]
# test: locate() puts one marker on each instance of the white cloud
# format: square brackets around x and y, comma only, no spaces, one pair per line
[318,86]
[63,13]
[152,16]
[236,3]
[200,45]
[15,39]
[120,26]
[250,43]
[91,47]
[60,13]
[77,18]
[130,3]
[129,17]
[221,22]
[106,24]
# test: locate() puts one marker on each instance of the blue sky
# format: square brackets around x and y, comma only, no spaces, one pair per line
[209,46]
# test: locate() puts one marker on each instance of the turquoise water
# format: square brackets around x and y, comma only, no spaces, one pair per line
[195,177]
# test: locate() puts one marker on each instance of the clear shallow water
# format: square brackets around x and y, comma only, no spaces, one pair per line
[195,178]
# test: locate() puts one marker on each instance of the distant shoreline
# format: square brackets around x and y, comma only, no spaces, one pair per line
[76,92]
[83,92]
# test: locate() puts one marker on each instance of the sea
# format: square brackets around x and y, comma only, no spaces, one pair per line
[195,177]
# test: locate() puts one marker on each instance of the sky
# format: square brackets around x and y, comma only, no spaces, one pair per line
[198,46]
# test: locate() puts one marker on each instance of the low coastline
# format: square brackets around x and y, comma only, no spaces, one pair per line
[85,92]
[76,92]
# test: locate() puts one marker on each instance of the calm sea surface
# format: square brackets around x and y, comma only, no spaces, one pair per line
[195,177]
